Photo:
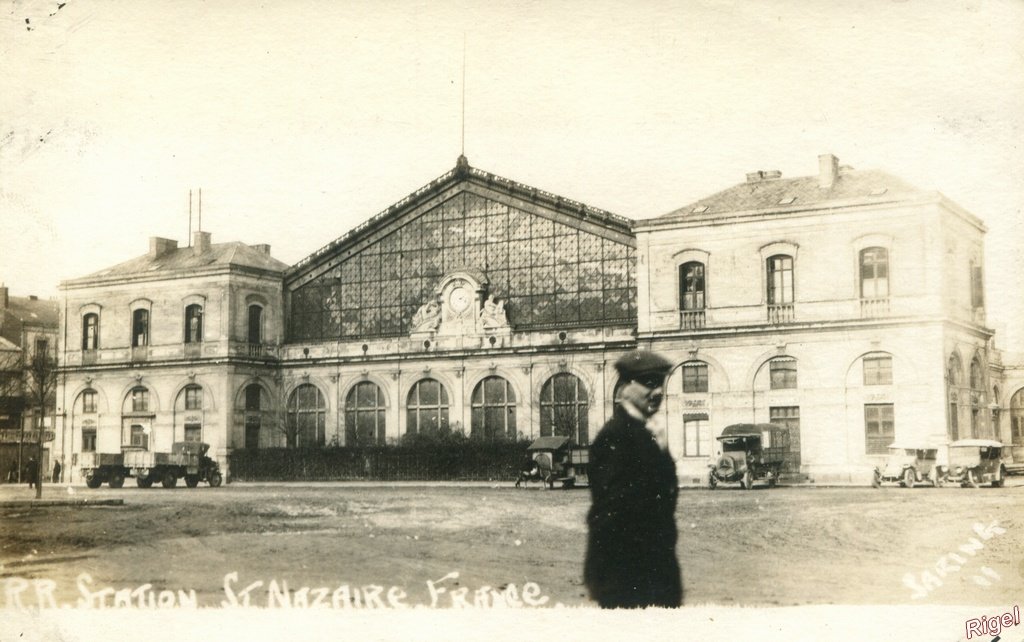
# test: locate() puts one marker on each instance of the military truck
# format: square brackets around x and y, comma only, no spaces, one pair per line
[187,460]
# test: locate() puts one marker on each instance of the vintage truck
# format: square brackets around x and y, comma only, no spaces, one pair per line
[187,460]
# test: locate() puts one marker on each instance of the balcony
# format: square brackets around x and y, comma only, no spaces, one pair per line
[874,308]
[691,319]
[781,313]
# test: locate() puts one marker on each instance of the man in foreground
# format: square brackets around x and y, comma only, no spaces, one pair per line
[631,557]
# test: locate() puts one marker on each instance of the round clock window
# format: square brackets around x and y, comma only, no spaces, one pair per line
[459,299]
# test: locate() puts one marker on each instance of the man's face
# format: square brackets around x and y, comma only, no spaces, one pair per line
[646,393]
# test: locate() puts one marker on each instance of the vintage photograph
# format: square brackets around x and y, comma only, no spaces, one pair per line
[467,320]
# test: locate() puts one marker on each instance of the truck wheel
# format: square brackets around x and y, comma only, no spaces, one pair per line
[116,480]
[215,480]
[748,480]
[971,481]
[1000,477]
[144,482]
[170,480]
[191,480]
[908,478]
[93,481]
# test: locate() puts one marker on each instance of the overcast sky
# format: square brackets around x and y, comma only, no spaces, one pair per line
[301,119]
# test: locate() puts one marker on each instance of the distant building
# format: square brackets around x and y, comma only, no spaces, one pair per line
[28,326]
[846,305]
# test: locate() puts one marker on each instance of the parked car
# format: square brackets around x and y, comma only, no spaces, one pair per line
[750,452]
[976,461]
[556,460]
[909,464]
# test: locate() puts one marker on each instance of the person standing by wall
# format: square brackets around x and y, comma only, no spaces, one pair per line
[56,472]
[31,471]
[631,545]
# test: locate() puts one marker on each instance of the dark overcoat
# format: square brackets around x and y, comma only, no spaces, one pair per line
[631,544]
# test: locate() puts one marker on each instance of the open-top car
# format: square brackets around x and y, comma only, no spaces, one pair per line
[976,461]
[750,452]
[909,464]
[555,460]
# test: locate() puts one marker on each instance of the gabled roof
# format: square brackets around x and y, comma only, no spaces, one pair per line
[767,191]
[34,311]
[185,259]
[463,172]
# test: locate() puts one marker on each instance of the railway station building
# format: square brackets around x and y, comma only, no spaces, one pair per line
[846,305]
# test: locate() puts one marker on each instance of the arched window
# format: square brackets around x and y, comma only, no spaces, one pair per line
[953,371]
[255,332]
[782,373]
[140,399]
[364,415]
[306,417]
[193,323]
[977,376]
[874,273]
[1017,418]
[90,331]
[494,410]
[780,279]
[563,408]
[140,328]
[691,286]
[427,407]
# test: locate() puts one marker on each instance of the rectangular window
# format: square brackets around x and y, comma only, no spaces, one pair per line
[696,436]
[252,397]
[139,438]
[783,373]
[193,432]
[140,328]
[780,279]
[879,428]
[874,273]
[194,323]
[977,287]
[41,347]
[877,371]
[140,400]
[691,286]
[695,377]
[89,401]
[194,398]
[88,440]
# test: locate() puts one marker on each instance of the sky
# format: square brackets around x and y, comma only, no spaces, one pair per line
[301,119]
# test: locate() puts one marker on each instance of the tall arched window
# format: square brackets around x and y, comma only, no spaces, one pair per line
[90,331]
[427,407]
[780,279]
[977,396]
[193,323]
[364,415]
[563,408]
[1017,418]
[257,404]
[140,328]
[255,332]
[874,273]
[494,410]
[691,286]
[953,377]
[306,417]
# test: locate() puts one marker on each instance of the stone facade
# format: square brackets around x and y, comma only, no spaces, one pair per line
[846,305]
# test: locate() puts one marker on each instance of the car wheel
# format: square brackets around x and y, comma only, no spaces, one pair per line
[116,480]
[191,480]
[93,481]
[1000,477]
[144,482]
[170,480]
[215,480]
[748,480]
[971,481]
[908,478]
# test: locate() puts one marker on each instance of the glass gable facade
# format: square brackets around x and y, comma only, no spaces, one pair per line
[552,274]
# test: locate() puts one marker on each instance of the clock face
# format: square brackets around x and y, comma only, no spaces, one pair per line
[459,299]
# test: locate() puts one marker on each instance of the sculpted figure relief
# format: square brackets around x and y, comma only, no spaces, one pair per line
[493,314]
[427,318]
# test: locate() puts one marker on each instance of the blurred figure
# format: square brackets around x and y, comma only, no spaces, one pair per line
[631,546]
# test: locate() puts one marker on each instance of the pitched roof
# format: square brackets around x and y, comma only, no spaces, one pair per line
[767,190]
[34,311]
[185,259]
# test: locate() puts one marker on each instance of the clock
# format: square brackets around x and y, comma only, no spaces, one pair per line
[459,299]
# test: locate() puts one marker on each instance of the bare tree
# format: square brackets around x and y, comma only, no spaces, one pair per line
[40,391]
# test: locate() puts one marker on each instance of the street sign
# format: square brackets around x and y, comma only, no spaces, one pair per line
[12,435]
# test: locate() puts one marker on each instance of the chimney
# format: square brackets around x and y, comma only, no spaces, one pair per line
[3,297]
[262,248]
[763,175]
[159,246]
[200,242]
[828,170]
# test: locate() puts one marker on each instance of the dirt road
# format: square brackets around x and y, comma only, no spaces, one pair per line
[385,546]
